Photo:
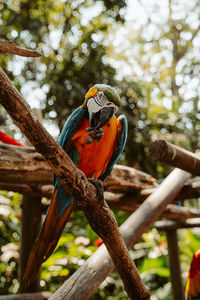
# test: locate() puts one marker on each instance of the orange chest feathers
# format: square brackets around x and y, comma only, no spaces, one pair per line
[94,157]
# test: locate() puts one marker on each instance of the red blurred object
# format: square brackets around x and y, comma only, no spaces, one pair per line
[98,242]
[9,272]
[193,281]
[195,264]
[6,139]
[163,243]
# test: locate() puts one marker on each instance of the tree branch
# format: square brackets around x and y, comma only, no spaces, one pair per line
[175,156]
[28,296]
[25,165]
[173,224]
[100,218]
[10,47]
[99,265]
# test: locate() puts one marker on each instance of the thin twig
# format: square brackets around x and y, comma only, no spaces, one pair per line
[12,48]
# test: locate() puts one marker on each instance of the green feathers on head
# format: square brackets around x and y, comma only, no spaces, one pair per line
[110,93]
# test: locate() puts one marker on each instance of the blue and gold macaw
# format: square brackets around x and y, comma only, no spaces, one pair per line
[94,139]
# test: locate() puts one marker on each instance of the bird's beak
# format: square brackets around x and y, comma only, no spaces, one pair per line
[101,118]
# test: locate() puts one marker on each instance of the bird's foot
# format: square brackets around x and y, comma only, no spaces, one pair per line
[100,190]
[95,134]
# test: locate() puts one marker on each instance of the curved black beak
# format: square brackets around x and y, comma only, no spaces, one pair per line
[101,118]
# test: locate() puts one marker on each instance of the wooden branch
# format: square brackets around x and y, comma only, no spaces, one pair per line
[175,212]
[172,224]
[100,218]
[12,48]
[121,201]
[20,165]
[18,188]
[30,296]
[126,202]
[25,165]
[124,178]
[175,156]
[190,190]
[99,265]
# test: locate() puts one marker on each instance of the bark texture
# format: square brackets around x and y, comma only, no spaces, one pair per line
[175,156]
[12,48]
[29,296]
[99,265]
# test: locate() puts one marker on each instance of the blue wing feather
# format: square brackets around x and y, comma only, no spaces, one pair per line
[71,126]
[121,141]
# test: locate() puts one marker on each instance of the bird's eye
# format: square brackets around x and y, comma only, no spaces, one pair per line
[100,99]
[100,94]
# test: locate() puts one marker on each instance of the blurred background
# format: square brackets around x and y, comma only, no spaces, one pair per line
[149,51]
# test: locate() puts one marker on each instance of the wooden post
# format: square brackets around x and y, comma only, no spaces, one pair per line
[30,227]
[174,265]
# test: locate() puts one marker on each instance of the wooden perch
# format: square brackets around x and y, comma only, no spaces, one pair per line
[175,212]
[29,296]
[126,202]
[172,224]
[190,190]
[11,48]
[99,265]
[175,156]
[124,178]
[22,168]
[25,165]
[100,218]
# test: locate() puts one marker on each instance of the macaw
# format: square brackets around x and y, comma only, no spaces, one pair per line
[94,139]
[192,289]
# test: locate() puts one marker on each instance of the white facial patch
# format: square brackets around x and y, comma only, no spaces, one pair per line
[96,103]
[92,106]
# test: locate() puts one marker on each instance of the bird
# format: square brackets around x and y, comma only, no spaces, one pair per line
[94,139]
[192,289]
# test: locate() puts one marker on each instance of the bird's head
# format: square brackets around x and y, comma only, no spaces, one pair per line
[101,102]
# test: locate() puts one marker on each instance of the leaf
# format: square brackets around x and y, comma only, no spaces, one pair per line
[162,272]
[150,263]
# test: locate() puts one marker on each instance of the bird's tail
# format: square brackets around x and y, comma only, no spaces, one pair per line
[47,239]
